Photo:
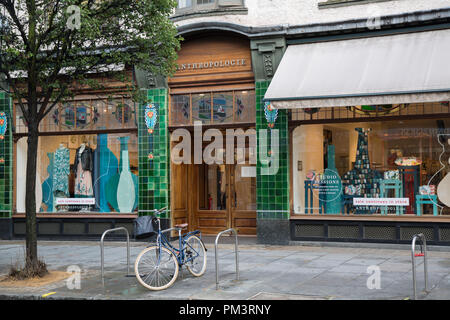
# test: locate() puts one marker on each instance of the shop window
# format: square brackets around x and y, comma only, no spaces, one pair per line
[183,4]
[180,112]
[82,173]
[198,5]
[201,108]
[126,109]
[213,107]
[196,8]
[91,114]
[383,167]
[20,123]
[366,112]
[201,2]
[244,106]
[107,118]
[223,107]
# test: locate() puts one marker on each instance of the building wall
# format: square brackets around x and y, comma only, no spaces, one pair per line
[272,190]
[6,162]
[5,158]
[154,157]
[262,13]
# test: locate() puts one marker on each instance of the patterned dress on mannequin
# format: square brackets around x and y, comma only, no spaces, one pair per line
[83,179]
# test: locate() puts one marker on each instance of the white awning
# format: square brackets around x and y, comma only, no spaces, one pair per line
[394,69]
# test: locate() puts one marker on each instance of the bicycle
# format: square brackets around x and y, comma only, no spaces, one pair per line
[157,266]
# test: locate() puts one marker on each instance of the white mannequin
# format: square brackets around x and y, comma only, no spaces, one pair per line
[82,147]
[443,189]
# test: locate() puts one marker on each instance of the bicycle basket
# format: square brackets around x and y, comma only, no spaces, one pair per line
[144,227]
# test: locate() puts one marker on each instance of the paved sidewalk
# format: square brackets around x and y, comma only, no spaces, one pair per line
[307,271]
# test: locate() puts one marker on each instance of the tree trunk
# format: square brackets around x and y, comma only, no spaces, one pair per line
[30,197]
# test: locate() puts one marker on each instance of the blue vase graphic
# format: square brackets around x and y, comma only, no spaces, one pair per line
[126,192]
[333,185]
[47,185]
[104,169]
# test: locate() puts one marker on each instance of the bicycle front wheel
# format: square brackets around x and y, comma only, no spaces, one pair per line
[156,268]
[195,256]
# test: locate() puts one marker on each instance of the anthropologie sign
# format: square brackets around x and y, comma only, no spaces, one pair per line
[211,64]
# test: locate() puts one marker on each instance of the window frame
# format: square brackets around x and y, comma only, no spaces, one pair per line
[214,5]
[324,4]
[233,91]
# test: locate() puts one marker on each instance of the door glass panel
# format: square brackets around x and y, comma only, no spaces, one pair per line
[212,187]
[244,186]
[180,109]
[201,107]
[244,102]
[223,107]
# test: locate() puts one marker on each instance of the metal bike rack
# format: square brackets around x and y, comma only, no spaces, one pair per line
[102,250]
[423,253]
[231,230]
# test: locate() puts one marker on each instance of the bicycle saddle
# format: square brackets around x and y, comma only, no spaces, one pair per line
[181,225]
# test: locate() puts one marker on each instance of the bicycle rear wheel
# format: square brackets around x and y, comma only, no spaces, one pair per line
[195,256]
[156,268]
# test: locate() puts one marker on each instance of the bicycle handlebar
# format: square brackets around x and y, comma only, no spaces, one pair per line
[158,212]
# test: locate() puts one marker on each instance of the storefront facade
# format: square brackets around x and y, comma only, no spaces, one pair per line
[369,172]
[369,135]
[87,165]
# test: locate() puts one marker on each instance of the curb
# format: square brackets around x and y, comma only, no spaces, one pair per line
[39,297]
[32,297]
[387,246]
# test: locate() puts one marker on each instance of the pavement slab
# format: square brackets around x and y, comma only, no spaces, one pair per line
[294,272]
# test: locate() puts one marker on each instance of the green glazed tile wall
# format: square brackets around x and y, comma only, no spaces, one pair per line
[6,160]
[272,195]
[154,173]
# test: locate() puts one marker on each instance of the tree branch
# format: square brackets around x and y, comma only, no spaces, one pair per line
[9,5]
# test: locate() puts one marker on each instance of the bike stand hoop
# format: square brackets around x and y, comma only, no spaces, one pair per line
[102,250]
[231,230]
[423,253]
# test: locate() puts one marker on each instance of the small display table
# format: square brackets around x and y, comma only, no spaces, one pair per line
[391,184]
[309,198]
[347,203]
[426,199]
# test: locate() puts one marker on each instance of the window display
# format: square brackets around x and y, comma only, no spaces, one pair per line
[390,167]
[89,114]
[82,173]
[61,171]
[212,107]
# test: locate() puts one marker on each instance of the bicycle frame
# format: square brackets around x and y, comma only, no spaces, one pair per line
[180,252]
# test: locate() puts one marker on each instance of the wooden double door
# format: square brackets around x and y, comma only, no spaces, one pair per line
[214,197]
